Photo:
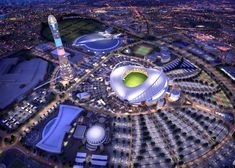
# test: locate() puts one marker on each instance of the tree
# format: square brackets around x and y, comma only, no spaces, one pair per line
[161,154]
[197,141]
[153,143]
[205,145]
[140,157]
[180,149]
[157,149]
[136,164]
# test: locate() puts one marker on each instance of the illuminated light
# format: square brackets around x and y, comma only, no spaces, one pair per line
[224,49]
[52,19]
[233,78]
[58,42]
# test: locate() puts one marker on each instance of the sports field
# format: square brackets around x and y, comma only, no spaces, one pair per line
[73,28]
[134,79]
[143,50]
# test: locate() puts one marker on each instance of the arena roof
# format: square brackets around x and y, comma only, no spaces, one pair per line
[26,73]
[53,140]
[96,42]
[152,89]
[95,135]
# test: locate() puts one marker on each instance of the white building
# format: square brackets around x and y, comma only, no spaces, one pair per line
[95,136]
[150,91]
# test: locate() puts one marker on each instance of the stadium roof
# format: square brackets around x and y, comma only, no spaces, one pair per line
[95,135]
[96,42]
[53,140]
[152,89]
[24,76]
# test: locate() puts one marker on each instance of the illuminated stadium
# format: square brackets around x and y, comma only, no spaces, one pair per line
[136,84]
[98,42]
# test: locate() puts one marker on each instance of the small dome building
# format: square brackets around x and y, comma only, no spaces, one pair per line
[95,136]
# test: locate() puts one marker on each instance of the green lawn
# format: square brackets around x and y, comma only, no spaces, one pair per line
[17,164]
[205,77]
[134,79]
[143,50]
[221,99]
[71,29]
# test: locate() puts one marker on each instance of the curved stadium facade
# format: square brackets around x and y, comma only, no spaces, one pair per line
[96,42]
[147,88]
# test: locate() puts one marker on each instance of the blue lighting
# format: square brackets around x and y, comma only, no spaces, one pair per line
[58,42]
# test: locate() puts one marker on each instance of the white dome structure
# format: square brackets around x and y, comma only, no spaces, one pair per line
[95,135]
[174,95]
[149,90]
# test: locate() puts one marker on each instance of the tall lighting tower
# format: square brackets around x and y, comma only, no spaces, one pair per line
[66,70]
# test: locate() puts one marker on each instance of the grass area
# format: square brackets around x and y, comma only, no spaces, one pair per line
[134,79]
[73,28]
[143,50]
[221,99]
[17,164]
[205,77]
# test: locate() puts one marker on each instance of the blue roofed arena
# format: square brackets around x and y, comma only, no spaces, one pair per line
[97,43]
